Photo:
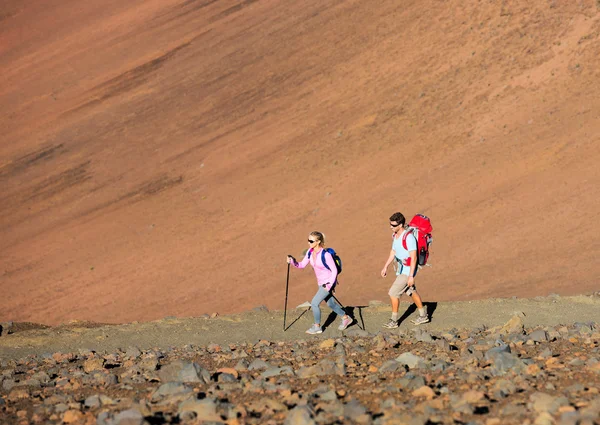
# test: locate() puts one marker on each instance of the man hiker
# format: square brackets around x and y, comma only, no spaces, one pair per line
[405,274]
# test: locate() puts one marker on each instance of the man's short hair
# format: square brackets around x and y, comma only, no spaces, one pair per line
[398,217]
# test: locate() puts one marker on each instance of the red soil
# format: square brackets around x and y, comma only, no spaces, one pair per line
[162,157]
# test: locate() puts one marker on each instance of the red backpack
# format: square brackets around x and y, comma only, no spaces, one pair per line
[420,227]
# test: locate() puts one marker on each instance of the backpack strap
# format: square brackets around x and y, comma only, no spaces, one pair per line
[323,259]
[404,236]
[411,231]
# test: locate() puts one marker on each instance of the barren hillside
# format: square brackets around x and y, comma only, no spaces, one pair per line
[160,158]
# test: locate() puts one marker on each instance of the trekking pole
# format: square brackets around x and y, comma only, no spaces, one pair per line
[287,283]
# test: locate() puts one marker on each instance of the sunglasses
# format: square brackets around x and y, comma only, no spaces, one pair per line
[394,225]
[311,241]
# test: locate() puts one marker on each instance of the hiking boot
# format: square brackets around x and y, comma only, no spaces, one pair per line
[314,329]
[392,324]
[345,323]
[420,320]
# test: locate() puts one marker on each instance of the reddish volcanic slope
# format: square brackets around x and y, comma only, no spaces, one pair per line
[160,158]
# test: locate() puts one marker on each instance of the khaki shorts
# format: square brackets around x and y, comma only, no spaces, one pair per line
[400,286]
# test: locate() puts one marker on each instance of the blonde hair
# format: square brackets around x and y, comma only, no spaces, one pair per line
[320,237]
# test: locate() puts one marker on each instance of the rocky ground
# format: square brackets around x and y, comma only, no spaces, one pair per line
[508,373]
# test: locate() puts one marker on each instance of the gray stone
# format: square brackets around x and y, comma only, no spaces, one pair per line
[107,401]
[411,382]
[183,371]
[129,417]
[133,352]
[170,389]
[553,334]
[460,405]
[61,408]
[56,399]
[258,364]
[583,329]
[300,415]
[544,418]
[503,388]
[569,418]
[423,336]
[591,411]
[328,396]
[444,344]
[266,404]
[503,361]
[205,410]
[538,336]
[107,379]
[395,417]
[411,360]
[575,388]
[471,353]
[323,368]
[439,365]
[148,362]
[41,376]
[334,408]
[31,382]
[500,348]
[576,362]
[276,371]
[353,409]
[8,384]
[239,354]
[340,365]
[226,377]
[333,367]
[542,402]
[390,366]
[104,418]
[6,328]
[241,366]
[340,350]
[379,342]
[92,402]
[213,348]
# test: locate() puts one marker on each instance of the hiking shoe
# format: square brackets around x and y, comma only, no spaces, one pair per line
[314,329]
[420,320]
[345,323]
[392,324]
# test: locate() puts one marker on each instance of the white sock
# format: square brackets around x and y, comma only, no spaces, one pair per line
[395,317]
[422,312]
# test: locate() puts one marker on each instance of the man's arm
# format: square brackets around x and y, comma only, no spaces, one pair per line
[413,267]
[388,262]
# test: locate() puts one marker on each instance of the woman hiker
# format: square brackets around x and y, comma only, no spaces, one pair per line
[326,279]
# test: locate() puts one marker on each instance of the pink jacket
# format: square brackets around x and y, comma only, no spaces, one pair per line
[324,276]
